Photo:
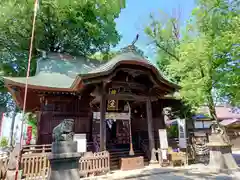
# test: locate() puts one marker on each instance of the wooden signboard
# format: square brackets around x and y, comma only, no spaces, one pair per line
[112,104]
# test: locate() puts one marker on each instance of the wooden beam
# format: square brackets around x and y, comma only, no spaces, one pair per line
[126,97]
[102,120]
[129,97]
[131,85]
[150,130]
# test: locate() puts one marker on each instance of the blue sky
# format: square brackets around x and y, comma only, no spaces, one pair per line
[135,17]
[132,21]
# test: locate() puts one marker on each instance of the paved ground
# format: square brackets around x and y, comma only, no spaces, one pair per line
[236,156]
[156,173]
[196,172]
[183,176]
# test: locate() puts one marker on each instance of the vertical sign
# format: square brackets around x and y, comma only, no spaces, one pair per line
[163,143]
[112,104]
[182,133]
[163,138]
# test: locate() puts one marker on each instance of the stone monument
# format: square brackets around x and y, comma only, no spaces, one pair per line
[64,159]
[220,149]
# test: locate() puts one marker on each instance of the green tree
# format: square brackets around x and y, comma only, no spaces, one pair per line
[4,142]
[207,61]
[165,35]
[76,27]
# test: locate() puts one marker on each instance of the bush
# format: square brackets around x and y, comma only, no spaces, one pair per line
[4,142]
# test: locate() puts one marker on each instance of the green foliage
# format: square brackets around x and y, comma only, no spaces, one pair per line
[164,33]
[31,120]
[206,60]
[103,57]
[79,27]
[172,131]
[4,142]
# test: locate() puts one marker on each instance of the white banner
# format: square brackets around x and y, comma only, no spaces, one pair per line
[182,133]
[163,138]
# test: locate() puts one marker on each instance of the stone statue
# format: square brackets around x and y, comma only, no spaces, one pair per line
[167,114]
[64,158]
[64,131]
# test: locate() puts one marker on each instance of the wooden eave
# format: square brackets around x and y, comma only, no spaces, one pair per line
[160,79]
[10,83]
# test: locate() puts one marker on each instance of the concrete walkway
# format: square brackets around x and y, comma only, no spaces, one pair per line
[157,173]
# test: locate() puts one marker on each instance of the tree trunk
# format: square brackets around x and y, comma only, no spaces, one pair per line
[12,125]
[211,107]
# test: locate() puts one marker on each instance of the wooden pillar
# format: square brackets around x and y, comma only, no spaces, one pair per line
[150,131]
[39,118]
[102,122]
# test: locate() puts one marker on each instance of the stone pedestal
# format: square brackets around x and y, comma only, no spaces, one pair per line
[220,153]
[64,161]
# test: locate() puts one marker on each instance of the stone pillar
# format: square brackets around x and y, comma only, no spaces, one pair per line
[102,123]
[64,161]
[150,131]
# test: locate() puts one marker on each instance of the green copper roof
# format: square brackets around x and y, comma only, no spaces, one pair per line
[55,70]
[51,80]
[64,64]
[119,58]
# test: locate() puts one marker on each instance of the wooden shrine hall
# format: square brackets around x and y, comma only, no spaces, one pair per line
[117,104]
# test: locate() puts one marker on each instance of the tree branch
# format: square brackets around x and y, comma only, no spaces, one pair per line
[166,51]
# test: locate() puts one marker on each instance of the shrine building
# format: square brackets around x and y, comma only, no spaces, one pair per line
[116,104]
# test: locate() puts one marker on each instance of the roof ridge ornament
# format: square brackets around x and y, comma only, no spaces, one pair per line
[131,47]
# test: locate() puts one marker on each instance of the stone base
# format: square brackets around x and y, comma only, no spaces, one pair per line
[220,154]
[64,166]
[72,174]
[64,162]
[64,147]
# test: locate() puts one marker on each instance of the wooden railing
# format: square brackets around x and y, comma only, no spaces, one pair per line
[36,165]
[45,148]
[96,163]
[3,166]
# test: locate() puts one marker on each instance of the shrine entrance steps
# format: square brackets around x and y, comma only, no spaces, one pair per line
[117,153]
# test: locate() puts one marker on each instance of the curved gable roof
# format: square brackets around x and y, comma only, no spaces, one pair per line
[126,58]
[57,78]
